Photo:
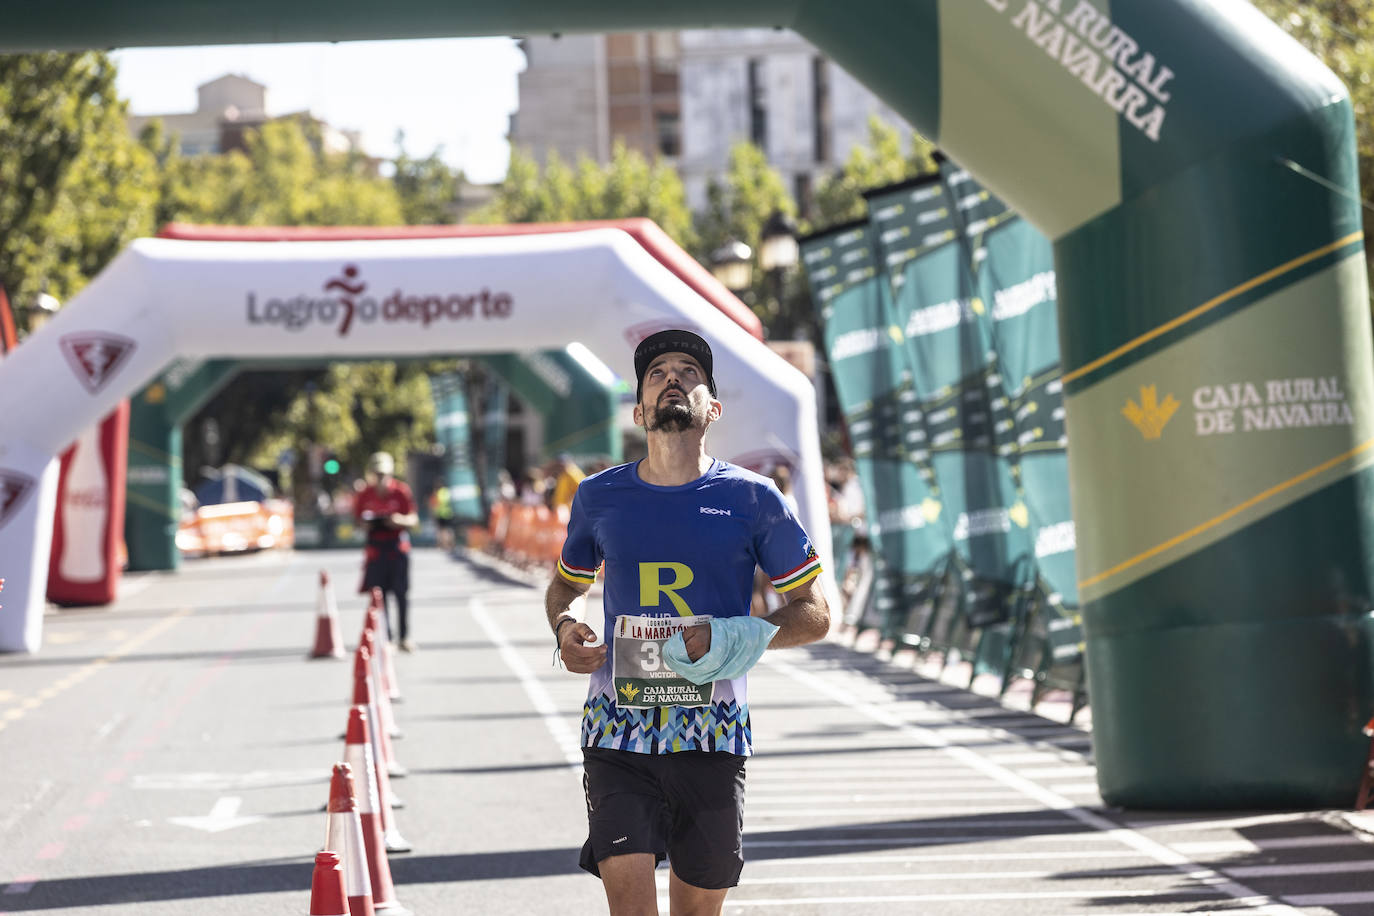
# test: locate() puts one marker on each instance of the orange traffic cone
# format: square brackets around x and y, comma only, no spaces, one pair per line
[358,753]
[390,686]
[376,601]
[383,702]
[328,643]
[363,698]
[1366,791]
[343,835]
[327,897]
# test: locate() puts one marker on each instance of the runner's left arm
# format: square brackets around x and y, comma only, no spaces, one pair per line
[803,619]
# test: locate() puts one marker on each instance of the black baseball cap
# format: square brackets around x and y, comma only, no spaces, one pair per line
[675,340]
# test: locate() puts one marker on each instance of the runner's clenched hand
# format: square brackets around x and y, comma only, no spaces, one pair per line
[577,656]
[697,640]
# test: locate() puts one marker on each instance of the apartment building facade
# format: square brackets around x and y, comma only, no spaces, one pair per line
[692,95]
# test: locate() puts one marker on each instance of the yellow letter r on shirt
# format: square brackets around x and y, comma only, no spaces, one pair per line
[651,585]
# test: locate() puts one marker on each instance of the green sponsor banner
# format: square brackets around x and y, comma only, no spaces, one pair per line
[1017,282]
[495,422]
[452,428]
[949,352]
[883,415]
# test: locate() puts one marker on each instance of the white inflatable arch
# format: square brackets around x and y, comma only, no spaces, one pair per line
[166,298]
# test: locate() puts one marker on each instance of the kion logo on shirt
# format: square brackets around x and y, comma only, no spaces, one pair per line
[708,510]
[96,357]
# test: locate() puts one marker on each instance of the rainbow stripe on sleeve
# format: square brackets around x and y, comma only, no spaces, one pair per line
[576,573]
[802,574]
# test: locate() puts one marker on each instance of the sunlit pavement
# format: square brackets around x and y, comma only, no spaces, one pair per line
[170,754]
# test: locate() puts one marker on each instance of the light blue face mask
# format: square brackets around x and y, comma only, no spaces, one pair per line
[737,643]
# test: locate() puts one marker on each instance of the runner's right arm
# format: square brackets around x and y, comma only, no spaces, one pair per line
[565,598]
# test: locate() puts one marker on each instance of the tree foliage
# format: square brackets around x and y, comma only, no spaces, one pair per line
[284,178]
[629,185]
[74,187]
[737,207]
[1338,32]
[428,188]
[839,198]
[741,201]
[350,409]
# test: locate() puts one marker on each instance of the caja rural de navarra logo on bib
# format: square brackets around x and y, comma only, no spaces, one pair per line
[345,301]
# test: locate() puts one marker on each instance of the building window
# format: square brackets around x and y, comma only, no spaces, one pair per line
[758,109]
[669,131]
[801,193]
[820,109]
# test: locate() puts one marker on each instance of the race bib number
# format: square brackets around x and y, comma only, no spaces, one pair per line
[641,678]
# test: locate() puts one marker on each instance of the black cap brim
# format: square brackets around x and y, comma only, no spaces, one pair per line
[675,340]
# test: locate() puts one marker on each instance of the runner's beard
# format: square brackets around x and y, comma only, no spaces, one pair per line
[673,417]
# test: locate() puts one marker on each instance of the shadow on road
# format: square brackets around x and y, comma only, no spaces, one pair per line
[274,877]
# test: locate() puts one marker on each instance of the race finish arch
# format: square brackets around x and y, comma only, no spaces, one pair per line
[154,505]
[167,298]
[1196,170]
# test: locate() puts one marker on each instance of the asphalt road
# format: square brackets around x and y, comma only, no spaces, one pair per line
[170,755]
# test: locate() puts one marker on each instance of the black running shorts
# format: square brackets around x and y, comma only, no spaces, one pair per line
[387,567]
[687,807]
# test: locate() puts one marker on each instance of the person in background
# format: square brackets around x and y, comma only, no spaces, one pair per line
[387,509]
[567,475]
[532,488]
[506,485]
[441,504]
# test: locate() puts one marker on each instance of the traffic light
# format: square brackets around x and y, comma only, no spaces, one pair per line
[331,465]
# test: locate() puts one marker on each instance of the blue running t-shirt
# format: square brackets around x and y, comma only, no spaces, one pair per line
[679,551]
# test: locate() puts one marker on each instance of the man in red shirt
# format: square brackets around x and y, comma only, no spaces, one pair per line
[387,508]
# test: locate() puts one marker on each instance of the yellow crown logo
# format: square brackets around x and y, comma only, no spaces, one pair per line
[1019,514]
[930,509]
[1151,415]
[630,691]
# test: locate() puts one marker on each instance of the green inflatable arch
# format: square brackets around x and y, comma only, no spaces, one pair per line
[579,416]
[1196,170]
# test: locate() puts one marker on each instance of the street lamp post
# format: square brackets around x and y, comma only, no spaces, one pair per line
[733,265]
[777,255]
[44,307]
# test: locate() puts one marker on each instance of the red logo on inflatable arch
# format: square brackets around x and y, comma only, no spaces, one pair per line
[14,487]
[352,304]
[96,357]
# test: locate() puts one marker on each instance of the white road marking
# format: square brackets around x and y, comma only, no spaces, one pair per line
[1015,826]
[223,816]
[1055,772]
[790,798]
[1205,823]
[255,779]
[1304,868]
[1253,846]
[919,857]
[104,731]
[1338,899]
[567,739]
[1128,837]
[1085,896]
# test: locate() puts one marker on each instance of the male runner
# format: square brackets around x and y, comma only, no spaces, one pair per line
[665,728]
[387,508]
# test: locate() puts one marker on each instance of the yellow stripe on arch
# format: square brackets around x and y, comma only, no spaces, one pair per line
[1228,514]
[1210,304]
